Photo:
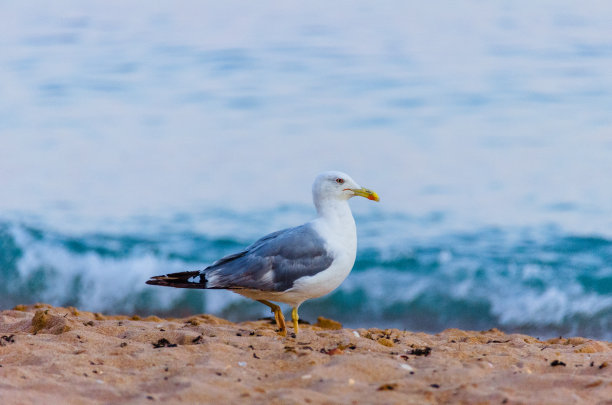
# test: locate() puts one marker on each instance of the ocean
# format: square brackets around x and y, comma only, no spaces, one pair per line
[139,139]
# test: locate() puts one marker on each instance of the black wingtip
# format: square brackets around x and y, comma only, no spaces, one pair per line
[185,279]
[157,280]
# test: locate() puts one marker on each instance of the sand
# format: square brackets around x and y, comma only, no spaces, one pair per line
[52,355]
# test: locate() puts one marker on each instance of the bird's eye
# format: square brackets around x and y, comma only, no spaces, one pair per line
[340,181]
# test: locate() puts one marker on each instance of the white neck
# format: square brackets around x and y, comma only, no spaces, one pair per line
[336,214]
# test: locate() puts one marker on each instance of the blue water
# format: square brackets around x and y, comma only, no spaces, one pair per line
[140,139]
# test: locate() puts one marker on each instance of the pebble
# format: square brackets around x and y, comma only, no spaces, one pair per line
[407,367]
[242,363]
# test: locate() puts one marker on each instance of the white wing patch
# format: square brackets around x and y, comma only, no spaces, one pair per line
[268,278]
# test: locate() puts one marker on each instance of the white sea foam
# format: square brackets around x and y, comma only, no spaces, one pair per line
[107,273]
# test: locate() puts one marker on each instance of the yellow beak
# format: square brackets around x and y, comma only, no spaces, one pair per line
[364,192]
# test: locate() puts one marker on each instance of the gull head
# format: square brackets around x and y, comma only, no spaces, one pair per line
[334,185]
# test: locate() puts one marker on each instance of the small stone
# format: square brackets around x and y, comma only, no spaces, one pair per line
[337,350]
[325,323]
[242,363]
[385,342]
[407,367]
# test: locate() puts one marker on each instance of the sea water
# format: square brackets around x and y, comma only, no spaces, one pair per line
[139,139]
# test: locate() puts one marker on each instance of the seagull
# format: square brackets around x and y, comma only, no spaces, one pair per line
[292,265]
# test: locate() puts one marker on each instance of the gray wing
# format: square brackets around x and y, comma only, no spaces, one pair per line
[273,263]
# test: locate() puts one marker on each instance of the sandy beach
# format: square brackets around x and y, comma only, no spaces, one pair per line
[52,355]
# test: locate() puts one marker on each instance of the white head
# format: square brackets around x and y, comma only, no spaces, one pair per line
[334,186]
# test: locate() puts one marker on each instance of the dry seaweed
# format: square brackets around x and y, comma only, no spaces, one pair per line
[426,351]
[7,339]
[163,342]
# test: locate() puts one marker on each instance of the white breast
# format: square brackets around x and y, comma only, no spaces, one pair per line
[342,242]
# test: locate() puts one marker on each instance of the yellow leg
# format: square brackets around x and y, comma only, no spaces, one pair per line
[295,318]
[278,315]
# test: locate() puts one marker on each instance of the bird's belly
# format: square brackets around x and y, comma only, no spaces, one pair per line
[307,287]
[262,295]
[321,283]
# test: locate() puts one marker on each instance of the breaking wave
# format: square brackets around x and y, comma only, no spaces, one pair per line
[533,281]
